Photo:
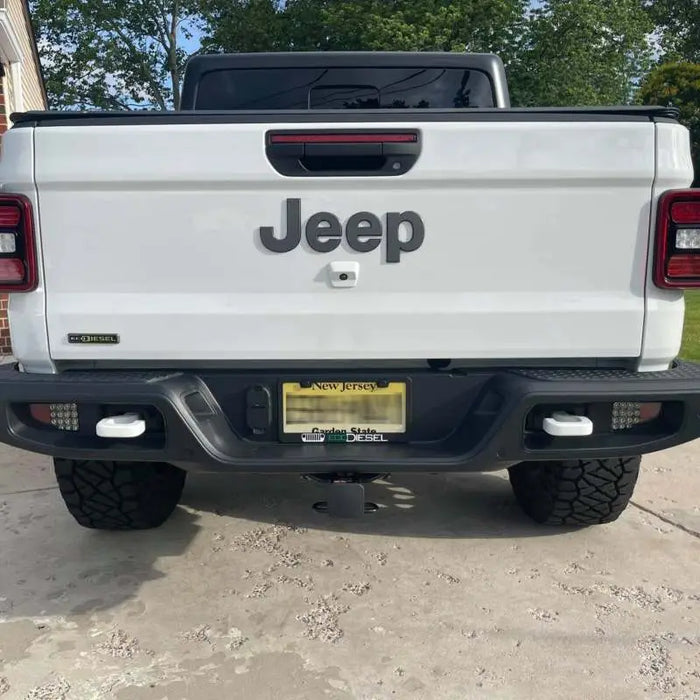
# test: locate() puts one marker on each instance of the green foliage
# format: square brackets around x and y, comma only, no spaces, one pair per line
[427,25]
[678,25]
[239,26]
[364,25]
[690,350]
[678,85]
[116,54]
[581,52]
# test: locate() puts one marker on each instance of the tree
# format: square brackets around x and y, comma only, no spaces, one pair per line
[239,26]
[678,85]
[125,54]
[582,52]
[427,25]
[364,25]
[116,54]
[678,26]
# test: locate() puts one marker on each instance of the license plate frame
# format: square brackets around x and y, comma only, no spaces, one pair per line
[390,428]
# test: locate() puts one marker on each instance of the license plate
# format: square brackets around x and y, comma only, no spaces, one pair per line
[340,411]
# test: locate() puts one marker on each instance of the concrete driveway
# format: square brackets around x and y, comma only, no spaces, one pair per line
[447,592]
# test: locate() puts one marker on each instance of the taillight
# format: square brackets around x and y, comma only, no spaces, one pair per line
[17,253]
[677,260]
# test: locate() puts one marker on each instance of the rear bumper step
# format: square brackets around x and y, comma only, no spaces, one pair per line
[459,421]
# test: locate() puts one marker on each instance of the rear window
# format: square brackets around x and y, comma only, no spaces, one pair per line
[344,88]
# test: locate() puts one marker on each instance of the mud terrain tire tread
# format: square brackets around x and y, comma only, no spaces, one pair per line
[119,495]
[576,492]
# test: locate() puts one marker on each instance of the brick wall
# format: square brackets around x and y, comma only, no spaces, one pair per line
[5,344]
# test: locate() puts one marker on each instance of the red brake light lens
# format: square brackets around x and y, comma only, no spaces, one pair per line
[18,265]
[344,138]
[677,257]
[9,216]
[683,266]
[11,270]
[686,212]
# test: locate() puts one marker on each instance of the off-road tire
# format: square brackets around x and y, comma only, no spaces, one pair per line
[576,492]
[119,495]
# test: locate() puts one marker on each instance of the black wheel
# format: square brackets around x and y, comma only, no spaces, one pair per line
[576,492]
[119,495]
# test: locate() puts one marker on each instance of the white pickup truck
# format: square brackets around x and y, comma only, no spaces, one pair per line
[346,265]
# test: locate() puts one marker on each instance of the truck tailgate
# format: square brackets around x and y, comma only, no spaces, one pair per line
[536,238]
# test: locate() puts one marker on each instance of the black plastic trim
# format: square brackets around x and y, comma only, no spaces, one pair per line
[485,410]
[533,114]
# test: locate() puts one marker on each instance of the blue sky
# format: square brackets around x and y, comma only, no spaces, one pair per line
[191,45]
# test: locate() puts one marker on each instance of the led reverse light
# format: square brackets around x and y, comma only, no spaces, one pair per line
[8,243]
[627,414]
[64,416]
[688,238]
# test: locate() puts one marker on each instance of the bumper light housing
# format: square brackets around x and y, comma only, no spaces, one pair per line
[627,414]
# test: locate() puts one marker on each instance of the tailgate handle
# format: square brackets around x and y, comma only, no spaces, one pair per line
[342,153]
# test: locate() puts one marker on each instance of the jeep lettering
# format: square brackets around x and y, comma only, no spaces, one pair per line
[363,232]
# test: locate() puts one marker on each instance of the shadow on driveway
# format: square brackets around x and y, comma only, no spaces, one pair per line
[425,505]
[50,566]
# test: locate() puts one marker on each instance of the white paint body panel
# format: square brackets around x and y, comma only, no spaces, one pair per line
[536,246]
[663,327]
[27,312]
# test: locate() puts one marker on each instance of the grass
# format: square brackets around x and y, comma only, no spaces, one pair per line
[690,350]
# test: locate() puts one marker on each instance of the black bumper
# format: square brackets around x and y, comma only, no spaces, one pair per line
[467,420]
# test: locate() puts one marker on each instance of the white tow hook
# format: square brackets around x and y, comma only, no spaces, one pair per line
[562,424]
[127,425]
